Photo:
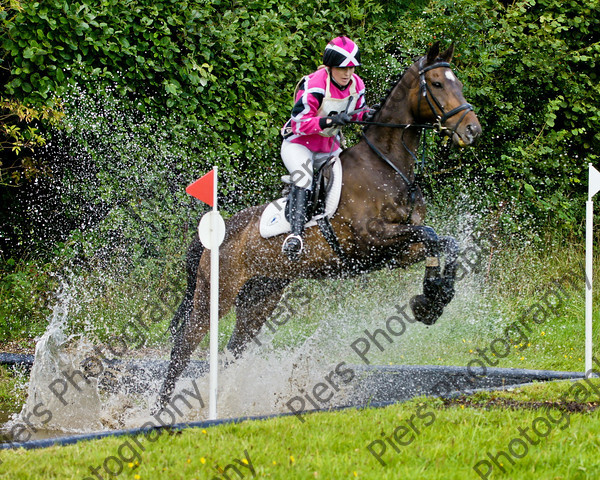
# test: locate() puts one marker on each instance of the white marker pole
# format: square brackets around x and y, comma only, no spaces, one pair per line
[211,231]
[589,250]
[214,309]
[593,188]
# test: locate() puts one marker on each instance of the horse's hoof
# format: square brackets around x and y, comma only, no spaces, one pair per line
[155,409]
[159,406]
[164,395]
[425,310]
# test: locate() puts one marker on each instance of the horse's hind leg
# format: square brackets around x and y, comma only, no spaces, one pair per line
[255,302]
[192,331]
[187,337]
[184,310]
[438,286]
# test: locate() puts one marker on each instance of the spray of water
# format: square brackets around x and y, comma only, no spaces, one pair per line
[76,408]
[288,364]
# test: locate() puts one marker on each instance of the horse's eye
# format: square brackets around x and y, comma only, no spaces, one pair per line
[436,84]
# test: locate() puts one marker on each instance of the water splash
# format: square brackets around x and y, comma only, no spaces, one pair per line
[56,398]
[135,224]
[287,365]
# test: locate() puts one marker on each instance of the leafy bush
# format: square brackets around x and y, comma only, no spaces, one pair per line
[155,93]
[535,83]
[25,296]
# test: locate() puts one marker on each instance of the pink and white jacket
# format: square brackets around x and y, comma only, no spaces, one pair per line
[319,96]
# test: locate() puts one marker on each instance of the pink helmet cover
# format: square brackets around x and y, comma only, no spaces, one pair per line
[341,52]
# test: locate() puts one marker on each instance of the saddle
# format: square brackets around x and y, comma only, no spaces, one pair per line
[326,190]
[321,184]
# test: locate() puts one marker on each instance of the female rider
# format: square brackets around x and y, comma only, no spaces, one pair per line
[323,101]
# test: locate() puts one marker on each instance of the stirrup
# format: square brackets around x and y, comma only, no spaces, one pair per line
[292,246]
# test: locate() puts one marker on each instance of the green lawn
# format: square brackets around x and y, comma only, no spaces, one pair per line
[442,441]
[434,440]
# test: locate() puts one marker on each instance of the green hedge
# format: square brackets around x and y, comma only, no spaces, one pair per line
[156,92]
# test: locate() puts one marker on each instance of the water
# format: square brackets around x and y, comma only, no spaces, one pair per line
[76,389]
[65,399]
[79,385]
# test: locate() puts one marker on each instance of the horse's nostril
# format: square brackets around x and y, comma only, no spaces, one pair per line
[473,130]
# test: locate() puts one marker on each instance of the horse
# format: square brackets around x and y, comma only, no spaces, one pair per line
[379,221]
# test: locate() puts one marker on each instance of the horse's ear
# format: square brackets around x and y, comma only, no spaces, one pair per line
[447,55]
[433,53]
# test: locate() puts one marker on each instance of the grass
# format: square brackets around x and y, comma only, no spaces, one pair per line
[12,393]
[26,290]
[506,283]
[445,440]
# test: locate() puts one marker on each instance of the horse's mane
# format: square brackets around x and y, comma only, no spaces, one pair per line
[393,83]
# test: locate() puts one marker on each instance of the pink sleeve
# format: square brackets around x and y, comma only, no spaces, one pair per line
[307,121]
[360,87]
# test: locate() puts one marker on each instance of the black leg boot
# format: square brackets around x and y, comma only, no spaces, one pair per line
[293,244]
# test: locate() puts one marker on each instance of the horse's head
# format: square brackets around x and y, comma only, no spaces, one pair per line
[439,98]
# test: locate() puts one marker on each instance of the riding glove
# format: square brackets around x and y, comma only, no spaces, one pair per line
[338,119]
[371,113]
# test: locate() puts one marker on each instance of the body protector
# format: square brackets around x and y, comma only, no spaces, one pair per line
[318,96]
[332,105]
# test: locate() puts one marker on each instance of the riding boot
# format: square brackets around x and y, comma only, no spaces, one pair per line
[293,244]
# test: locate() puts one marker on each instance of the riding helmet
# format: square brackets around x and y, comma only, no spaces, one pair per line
[341,52]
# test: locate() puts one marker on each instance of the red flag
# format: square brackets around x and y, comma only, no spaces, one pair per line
[203,188]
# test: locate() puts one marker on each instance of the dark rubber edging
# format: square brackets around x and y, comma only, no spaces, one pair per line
[519,377]
[16,360]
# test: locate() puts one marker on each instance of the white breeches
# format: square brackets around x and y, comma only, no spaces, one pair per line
[299,161]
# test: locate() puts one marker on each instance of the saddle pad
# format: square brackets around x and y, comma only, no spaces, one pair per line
[273,221]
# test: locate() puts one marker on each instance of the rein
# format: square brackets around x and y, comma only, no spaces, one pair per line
[380,154]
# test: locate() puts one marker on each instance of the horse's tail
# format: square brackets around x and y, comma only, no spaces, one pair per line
[192,260]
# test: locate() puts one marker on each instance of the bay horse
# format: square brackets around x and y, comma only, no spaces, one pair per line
[379,221]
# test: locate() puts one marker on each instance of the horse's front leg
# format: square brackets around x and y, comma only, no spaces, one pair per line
[185,342]
[438,285]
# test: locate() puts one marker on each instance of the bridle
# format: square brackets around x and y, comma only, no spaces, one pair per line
[438,125]
[425,92]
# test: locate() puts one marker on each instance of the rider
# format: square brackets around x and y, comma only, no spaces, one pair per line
[323,101]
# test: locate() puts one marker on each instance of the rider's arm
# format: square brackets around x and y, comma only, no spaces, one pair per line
[305,120]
